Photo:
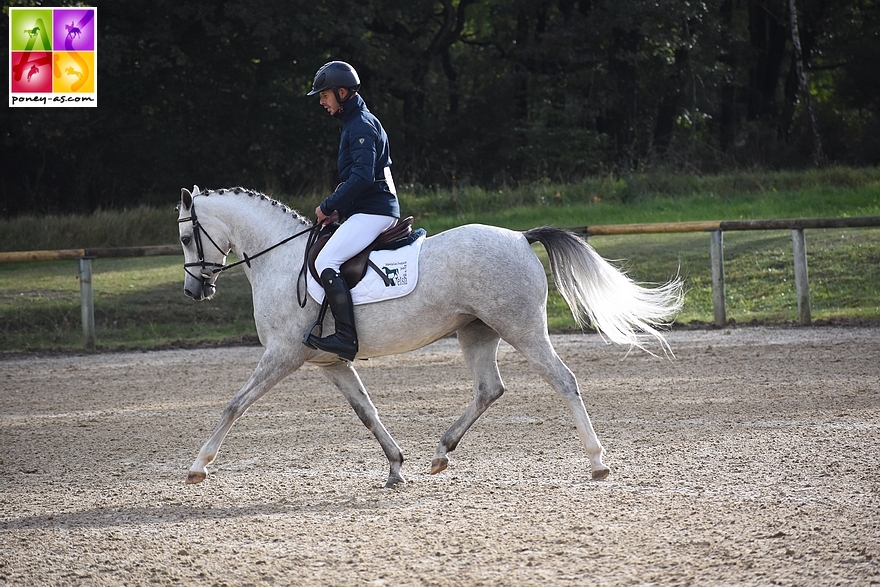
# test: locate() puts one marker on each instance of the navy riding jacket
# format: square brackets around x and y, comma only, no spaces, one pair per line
[363,157]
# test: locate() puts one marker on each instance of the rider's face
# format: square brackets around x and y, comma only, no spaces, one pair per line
[328,100]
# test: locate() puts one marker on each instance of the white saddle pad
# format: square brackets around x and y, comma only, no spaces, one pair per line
[400,265]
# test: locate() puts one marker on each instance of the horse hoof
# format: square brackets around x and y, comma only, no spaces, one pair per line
[195,477]
[394,481]
[599,474]
[438,464]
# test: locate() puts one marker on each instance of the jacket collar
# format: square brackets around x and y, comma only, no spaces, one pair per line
[351,106]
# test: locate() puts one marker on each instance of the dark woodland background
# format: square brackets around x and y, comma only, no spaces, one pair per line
[471,92]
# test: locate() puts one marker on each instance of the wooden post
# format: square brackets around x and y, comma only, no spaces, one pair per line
[87,301]
[801,281]
[716,254]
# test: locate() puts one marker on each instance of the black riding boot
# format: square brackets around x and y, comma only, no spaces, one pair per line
[344,341]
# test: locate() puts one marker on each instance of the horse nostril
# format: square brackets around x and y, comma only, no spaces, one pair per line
[189,294]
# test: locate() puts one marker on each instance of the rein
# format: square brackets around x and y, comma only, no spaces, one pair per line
[216,268]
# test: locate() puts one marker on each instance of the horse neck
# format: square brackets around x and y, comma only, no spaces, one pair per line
[253,225]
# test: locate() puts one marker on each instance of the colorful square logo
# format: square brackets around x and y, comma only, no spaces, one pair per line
[53,56]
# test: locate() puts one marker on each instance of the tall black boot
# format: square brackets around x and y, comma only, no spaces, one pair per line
[344,341]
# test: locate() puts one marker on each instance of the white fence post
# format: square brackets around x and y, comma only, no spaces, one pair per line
[716,253]
[801,281]
[87,301]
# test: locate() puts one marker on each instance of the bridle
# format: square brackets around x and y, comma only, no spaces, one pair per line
[207,271]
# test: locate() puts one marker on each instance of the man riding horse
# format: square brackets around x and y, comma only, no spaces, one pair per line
[365,202]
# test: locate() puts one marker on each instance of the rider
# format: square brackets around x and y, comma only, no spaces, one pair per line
[365,202]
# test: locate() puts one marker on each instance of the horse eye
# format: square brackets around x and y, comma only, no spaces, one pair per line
[185,240]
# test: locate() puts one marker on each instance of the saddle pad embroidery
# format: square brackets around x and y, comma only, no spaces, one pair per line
[400,265]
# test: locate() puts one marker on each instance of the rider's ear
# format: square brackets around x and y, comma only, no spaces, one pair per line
[186,199]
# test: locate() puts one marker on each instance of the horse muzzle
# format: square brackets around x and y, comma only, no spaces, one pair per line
[200,291]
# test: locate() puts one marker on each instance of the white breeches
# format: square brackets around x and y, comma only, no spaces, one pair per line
[353,236]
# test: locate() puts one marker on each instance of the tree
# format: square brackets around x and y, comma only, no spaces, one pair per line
[470,91]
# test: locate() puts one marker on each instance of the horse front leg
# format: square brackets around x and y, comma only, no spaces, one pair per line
[272,368]
[344,377]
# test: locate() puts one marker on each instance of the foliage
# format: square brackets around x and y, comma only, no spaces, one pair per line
[657,196]
[487,93]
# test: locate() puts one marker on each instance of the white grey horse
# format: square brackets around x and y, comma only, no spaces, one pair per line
[481,282]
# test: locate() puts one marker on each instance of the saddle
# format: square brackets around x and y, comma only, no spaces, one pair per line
[355,268]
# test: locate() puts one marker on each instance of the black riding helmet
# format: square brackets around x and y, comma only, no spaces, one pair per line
[335,75]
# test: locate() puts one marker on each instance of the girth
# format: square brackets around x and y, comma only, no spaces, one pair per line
[355,268]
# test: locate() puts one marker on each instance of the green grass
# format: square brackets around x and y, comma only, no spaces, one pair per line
[139,303]
[843,266]
[137,226]
[653,198]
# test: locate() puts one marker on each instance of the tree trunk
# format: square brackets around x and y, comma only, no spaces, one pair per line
[767,36]
[669,104]
[727,99]
[818,152]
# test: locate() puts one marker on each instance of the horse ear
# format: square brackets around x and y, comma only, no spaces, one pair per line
[186,198]
[196,190]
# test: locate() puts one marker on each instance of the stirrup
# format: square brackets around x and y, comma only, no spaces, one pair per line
[309,333]
[319,324]
[346,354]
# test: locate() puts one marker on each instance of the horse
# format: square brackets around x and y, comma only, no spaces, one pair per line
[481,283]
[72,30]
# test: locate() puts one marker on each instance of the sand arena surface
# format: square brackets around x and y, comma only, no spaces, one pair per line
[752,459]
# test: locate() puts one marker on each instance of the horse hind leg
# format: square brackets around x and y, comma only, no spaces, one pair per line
[540,353]
[479,344]
[346,379]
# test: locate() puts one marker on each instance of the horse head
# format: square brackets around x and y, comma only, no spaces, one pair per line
[201,238]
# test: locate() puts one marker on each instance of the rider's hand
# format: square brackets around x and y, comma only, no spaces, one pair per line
[324,219]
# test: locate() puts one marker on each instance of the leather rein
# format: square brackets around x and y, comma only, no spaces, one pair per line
[209,270]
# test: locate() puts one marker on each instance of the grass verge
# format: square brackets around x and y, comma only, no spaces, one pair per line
[139,303]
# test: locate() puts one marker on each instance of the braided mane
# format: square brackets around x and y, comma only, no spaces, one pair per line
[255,194]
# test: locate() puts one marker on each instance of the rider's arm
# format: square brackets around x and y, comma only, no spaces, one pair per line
[362,148]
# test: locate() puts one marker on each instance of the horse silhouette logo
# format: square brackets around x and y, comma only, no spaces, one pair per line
[72,30]
[392,274]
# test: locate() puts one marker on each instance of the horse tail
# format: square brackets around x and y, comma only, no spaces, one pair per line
[603,297]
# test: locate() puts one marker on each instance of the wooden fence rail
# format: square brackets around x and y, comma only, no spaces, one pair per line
[715,228]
